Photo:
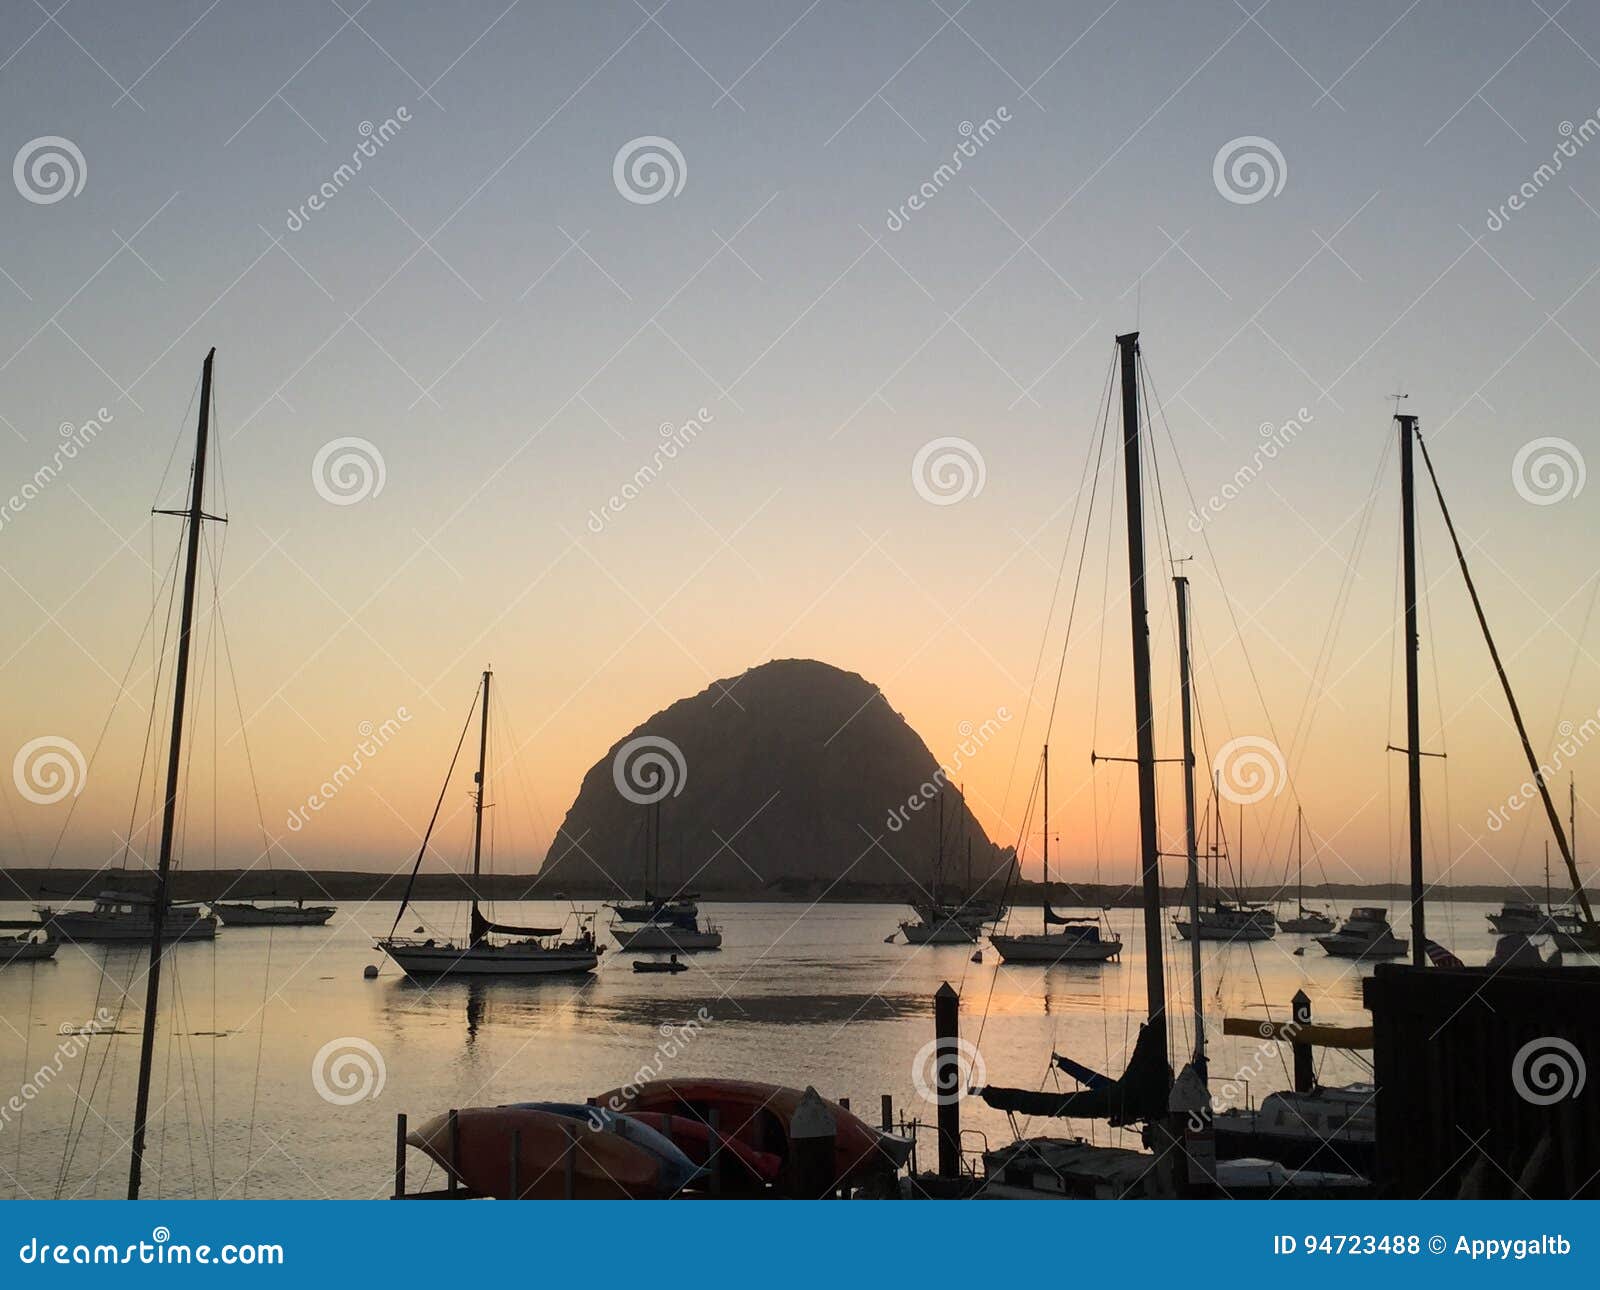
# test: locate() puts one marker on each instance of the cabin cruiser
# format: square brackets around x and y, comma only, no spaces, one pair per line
[1519,917]
[683,934]
[1366,934]
[1224,921]
[1326,1128]
[125,916]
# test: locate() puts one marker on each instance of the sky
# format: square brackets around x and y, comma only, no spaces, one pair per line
[578,234]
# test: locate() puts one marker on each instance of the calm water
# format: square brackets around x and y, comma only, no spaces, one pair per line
[797,996]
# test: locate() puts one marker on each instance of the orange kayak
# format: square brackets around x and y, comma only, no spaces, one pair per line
[758,1115]
[604,1166]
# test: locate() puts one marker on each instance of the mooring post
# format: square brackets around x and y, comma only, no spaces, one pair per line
[947,1077]
[813,1133]
[1305,1078]
[400,1155]
[888,1112]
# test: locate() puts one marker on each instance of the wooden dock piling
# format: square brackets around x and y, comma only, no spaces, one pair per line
[947,1077]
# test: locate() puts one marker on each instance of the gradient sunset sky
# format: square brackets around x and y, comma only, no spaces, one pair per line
[508,325]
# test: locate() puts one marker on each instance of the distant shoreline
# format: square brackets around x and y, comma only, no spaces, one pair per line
[28,884]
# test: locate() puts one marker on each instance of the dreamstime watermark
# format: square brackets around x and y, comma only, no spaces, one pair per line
[1232,1092]
[973,740]
[649,768]
[373,138]
[71,1046]
[1274,439]
[49,168]
[948,470]
[74,438]
[160,1250]
[348,470]
[374,739]
[1573,740]
[674,439]
[973,138]
[1249,769]
[49,768]
[1573,139]
[1249,169]
[1547,1070]
[348,1070]
[648,169]
[1548,470]
[675,1038]
[943,1084]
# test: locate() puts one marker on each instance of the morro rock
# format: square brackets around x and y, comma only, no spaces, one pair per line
[781,781]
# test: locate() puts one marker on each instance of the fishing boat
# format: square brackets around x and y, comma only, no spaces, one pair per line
[299,914]
[1366,934]
[1080,939]
[532,951]
[120,915]
[1305,919]
[30,947]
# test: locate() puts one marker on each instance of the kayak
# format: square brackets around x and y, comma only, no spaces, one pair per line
[693,1136]
[758,1115]
[604,1165]
[680,1169]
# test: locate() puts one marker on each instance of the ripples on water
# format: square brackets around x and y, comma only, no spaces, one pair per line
[797,996]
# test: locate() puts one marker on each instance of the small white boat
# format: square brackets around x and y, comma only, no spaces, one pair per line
[662,936]
[247,914]
[1366,934]
[1223,921]
[125,916]
[27,948]
[1078,941]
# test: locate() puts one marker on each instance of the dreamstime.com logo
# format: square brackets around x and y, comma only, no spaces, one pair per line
[348,1070]
[49,768]
[968,1072]
[1548,470]
[1249,769]
[649,169]
[348,470]
[1548,1070]
[948,470]
[160,1249]
[1249,169]
[48,169]
[648,769]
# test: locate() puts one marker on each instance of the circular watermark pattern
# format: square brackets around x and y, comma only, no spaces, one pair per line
[648,169]
[348,470]
[950,1085]
[649,768]
[48,169]
[1249,169]
[948,470]
[348,1070]
[1548,470]
[1249,769]
[49,768]
[1548,1069]
[160,1235]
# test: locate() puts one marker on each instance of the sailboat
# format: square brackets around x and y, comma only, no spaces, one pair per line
[1567,927]
[1079,940]
[939,923]
[1304,920]
[666,928]
[1225,920]
[536,951]
[679,908]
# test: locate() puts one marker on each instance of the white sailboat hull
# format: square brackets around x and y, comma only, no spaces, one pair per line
[522,959]
[1221,932]
[947,933]
[1052,948]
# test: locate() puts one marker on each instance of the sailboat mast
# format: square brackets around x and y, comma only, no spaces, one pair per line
[195,515]
[1144,721]
[1408,526]
[482,780]
[1047,835]
[1191,845]
[1300,860]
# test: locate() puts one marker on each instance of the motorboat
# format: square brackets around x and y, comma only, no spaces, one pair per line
[1366,934]
[663,935]
[1324,1128]
[248,914]
[119,915]
[30,947]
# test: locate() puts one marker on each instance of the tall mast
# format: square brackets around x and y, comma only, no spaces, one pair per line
[938,871]
[482,780]
[1300,859]
[194,516]
[1191,845]
[1047,836]
[1408,527]
[1144,721]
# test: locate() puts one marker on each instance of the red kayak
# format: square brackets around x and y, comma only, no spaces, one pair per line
[757,1116]
[692,1135]
[605,1165]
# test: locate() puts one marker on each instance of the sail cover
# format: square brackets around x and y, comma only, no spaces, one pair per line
[481,927]
[1140,1093]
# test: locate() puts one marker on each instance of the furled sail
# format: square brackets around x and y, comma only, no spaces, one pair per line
[1139,1094]
[481,927]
